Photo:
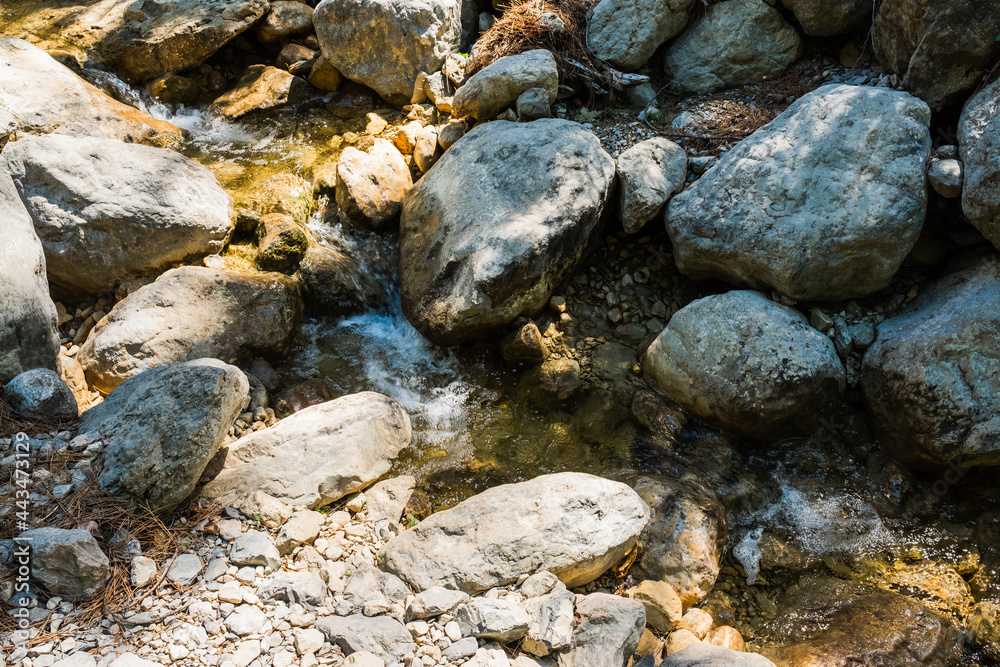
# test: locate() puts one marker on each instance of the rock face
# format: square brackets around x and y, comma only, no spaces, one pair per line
[573,524]
[371,186]
[735,43]
[385,44]
[163,427]
[45,96]
[497,86]
[607,632]
[649,174]
[146,39]
[941,48]
[41,394]
[28,334]
[852,624]
[107,210]
[625,33]
[684,540]
[190,313]
[823,18]
[979,143]
[67,563]
[797,207]
[749,365]
[316,456]
[930,380]
[478,249]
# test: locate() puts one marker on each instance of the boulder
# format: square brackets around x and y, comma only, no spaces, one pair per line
[316,456]
[607,632]
[371,186]
[550,623]
[385,44]
[41,394]
[497,86]
[260,88]
[662,605]
[499,619]
[46,96]
[841,624]
[573,524]
[825,18]
[703,654]
[797,206]
[684,540]
[67,563]
[649,174]
[735,43]
[626,33]
[744,363]
[386,638]
[282,243]
[106,210]
[979,145]
[478,249]
[29,337]
[189,313]
[163,426]
[940,48]
[286,19]
[533,104]
[930,380]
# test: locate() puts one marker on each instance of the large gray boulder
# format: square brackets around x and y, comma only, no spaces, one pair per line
[607,632]
[823,18]
[106,210]
[478,248]
[931,380]
[385,44]
[45,96]
[744,363]
[625,33]
[574,525]
[822,203]
[979,144]
[940,48]
[190,313]
[28,334]
[41,394]
[497,86]
[735,43]
[163,426]
[649,173]
[316,456]
[67,563]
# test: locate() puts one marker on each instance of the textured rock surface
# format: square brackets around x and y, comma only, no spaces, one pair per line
[824,202]
[259,89]
[607,632]
[41,394]
[979,143]
[67,563]
[703,654]
[625,33]
[386,638]
[930,380]
[190,313]
[822,18]
[649,174]
[747,364]
[735,43]
[385,44]
[941,48]
[316,456]
[28,334]
[46,96]
[573,524]
[371,186]
[497,86]
[163,426]
[477,247]
[106,210]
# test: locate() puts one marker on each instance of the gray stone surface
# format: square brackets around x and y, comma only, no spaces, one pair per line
[254,547]
[433,602]
[823,18]
[720,356]
[945,176]
[184,569]
[649,174]
[304,587]
[388,498]
[607,632]
[41,394]
[499,619]
[381,635]
[497,86]
[67,563]
[796,207]
[979,144]
[703,654]
[626,33]
[163,426]
[550,623]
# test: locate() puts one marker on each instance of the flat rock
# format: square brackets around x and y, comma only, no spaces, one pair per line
[316,456]
[497,86]
[794,207]
[106,210]
[193,312]
[245,620]
[979,145]
[163,426]
[302,528]
[550,623]
[184,569]
[67,563]
[573,524]
[433,602]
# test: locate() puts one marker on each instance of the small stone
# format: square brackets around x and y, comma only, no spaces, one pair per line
[727,637]
[184,569]
[680,640]
[230,529]
[945,176]
[254,548]
[247,652]
[492,619]
[532,104]
[308,640]
[663,606]
[462,648]
[434,602]
[698,621]
[246,620]
[142,571]
[453,630]
[302,528]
